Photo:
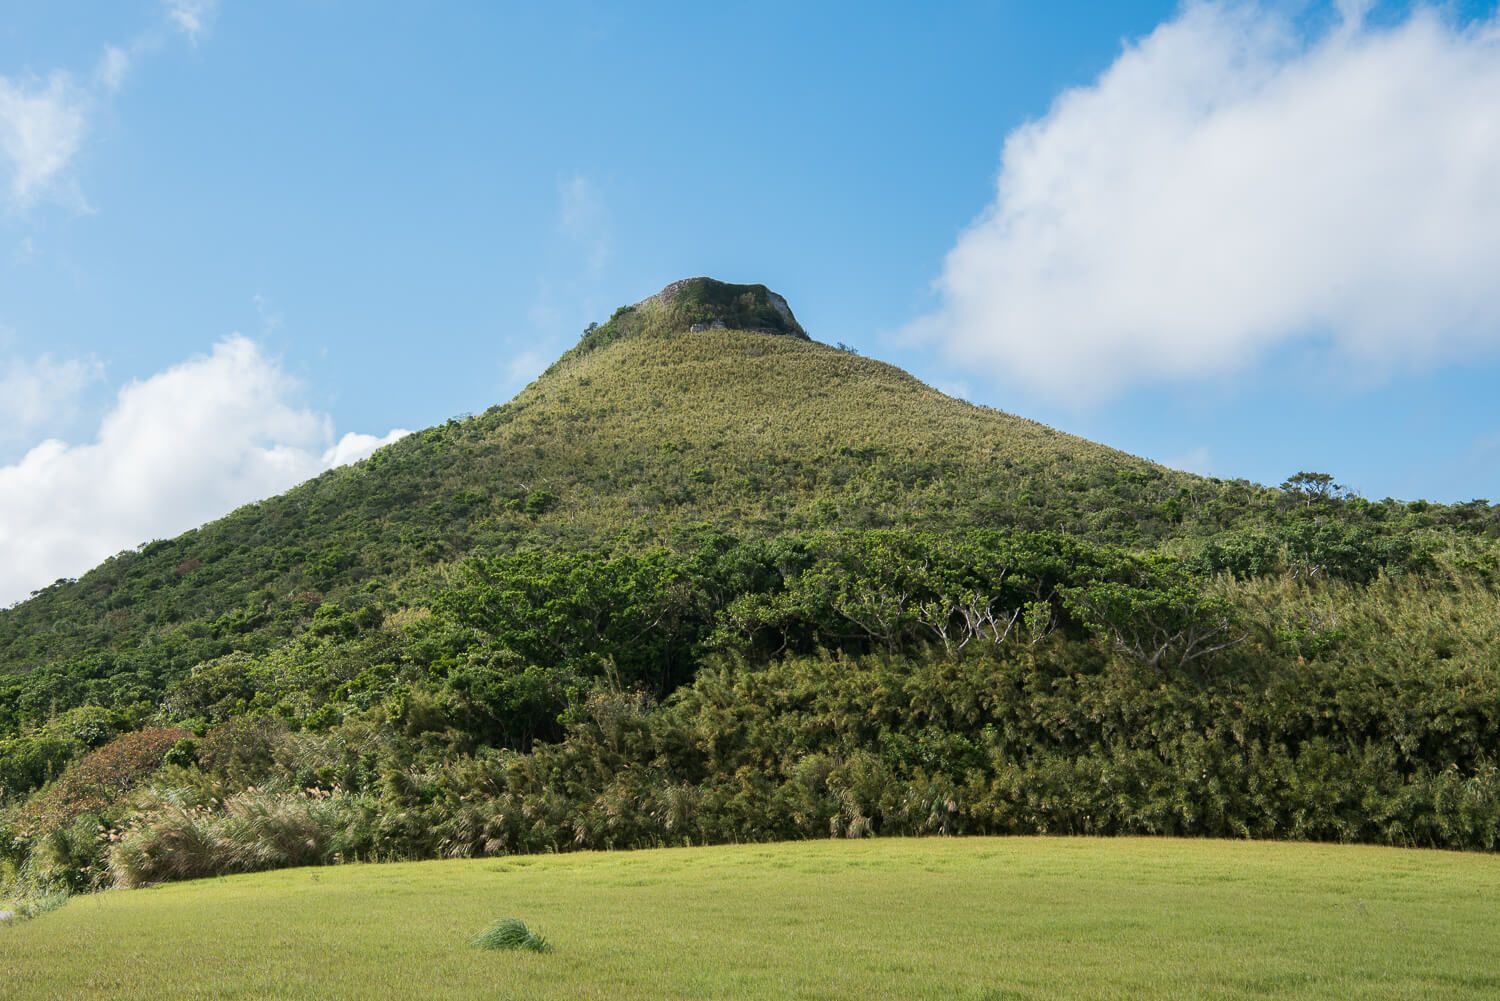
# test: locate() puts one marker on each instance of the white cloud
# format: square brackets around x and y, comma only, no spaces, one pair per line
[184,446]
[1227,187]
[41,127]
[191,17]
[355,446]
[33,392]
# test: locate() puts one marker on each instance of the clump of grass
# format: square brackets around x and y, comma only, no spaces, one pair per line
[176,836]
[510,933]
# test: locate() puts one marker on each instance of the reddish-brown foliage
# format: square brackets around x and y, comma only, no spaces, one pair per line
[101,778]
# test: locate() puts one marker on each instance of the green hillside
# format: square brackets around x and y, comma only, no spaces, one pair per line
[653,438]
[709,580]
[647,441]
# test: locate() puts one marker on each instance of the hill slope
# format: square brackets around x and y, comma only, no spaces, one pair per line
[644,434]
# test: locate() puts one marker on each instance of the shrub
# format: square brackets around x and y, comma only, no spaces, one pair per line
[246,749]
[510,933]
[97,782]
[29,761]
[184,754]
[539,502]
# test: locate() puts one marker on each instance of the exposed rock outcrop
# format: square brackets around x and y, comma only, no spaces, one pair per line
[714,305]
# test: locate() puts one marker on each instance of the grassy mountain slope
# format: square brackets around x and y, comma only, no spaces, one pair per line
[642,435]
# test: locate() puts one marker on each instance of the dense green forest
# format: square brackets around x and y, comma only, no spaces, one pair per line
[703,584]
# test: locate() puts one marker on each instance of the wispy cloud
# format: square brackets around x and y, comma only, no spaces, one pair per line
[44,120]
[41,128]
[188,444]
[583,218]
[191,17]
[38,390]
[1229,186]
[271,318]
[112,68]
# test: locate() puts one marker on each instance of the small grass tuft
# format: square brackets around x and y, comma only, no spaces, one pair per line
[510,933]
[26,908]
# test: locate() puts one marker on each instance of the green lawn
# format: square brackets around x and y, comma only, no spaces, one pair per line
[981,918]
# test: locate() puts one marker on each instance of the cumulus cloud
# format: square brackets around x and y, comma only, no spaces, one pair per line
[355,446]
[1230,186]
[33,392]
[41,127]
[182,447]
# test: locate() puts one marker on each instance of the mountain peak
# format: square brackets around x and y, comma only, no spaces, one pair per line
[708,304]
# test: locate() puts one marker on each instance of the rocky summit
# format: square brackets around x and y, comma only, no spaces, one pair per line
[709,304]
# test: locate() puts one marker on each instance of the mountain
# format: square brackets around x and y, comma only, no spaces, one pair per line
[709,579]
[645,433]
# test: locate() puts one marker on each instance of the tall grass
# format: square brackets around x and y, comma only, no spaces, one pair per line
[178,838]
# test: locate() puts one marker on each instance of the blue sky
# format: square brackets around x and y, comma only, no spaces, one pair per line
[241,242]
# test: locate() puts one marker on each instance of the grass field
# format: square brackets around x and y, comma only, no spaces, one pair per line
[992,918]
